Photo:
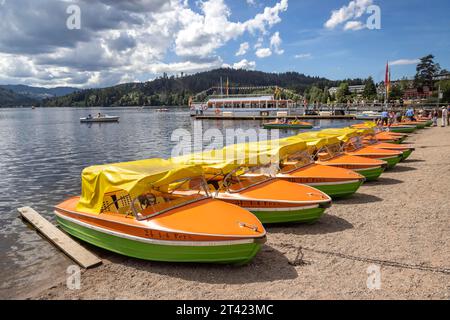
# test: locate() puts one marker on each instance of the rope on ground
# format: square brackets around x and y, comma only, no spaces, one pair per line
[387,263]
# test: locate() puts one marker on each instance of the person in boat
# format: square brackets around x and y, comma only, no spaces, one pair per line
[89,116]
[391,118]
[99,115]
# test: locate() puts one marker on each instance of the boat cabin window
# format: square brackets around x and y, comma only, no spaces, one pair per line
[296,161]
[353,144]
[163,199]
[329,152]
[370,139]
[244,178]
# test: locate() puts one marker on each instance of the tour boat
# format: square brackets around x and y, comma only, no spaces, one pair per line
[353,145]
[295,125]
[328,151]
[245,102]
[237,181]
[101,118]
[135,209]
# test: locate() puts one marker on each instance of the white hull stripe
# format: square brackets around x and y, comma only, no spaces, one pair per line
[281,209]
[364,169]
[332,183]
[158,229]
[229,196]
[154,241]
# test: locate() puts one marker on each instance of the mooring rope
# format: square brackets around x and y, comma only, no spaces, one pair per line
[298,261]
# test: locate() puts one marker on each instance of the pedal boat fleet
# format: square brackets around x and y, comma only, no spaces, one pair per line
[211,207]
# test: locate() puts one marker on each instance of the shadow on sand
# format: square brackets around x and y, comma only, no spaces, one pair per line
[412,161]
[268,265]
[327,224]
[401,168]
[383,181]
[358,198]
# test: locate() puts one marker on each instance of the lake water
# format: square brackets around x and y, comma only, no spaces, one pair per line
[43,152]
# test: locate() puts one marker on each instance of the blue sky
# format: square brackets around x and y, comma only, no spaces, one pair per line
[409,30]
[121,41]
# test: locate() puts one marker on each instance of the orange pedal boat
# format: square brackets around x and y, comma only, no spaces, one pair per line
[134,209]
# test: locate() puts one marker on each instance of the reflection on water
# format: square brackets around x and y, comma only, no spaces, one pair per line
[42,154]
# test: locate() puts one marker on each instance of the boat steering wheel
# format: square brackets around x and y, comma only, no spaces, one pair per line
[146,200]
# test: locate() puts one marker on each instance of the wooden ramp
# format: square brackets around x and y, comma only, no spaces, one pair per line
[69,246]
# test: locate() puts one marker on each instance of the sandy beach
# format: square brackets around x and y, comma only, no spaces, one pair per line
[400,223]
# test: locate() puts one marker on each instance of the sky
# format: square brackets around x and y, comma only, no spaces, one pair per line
[98,43]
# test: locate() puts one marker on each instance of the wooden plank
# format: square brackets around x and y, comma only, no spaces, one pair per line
[70,247]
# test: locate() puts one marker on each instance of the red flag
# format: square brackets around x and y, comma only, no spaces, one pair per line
[387,79]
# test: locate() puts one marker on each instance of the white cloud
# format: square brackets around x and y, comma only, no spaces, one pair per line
[263,53]
[251,2]
[355,9]
[354,25]
[243,64]
[275,43]
[120,40]
[402,62]
[303,56]
[243,48]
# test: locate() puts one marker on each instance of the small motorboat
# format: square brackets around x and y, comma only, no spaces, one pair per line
[328,152]
[238,182]
[293,125]
[352,145]
[137,209]
[100,118]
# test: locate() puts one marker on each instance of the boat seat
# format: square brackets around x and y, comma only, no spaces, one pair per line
[160,200]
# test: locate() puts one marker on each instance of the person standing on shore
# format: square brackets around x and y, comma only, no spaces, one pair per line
[444,116]
[410,114]
[434,116]
[384,118]
[448,115]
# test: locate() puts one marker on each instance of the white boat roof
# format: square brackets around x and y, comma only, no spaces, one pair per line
[242,99]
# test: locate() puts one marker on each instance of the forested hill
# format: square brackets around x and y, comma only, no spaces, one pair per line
[9,98]
[177,90]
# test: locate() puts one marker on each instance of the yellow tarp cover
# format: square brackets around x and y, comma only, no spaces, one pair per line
[223,161]
[344,134]
[134,177]
[314,140]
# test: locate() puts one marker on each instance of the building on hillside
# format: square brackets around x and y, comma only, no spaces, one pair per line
[333,90]
[359,89]
[444,76]
[417,94]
